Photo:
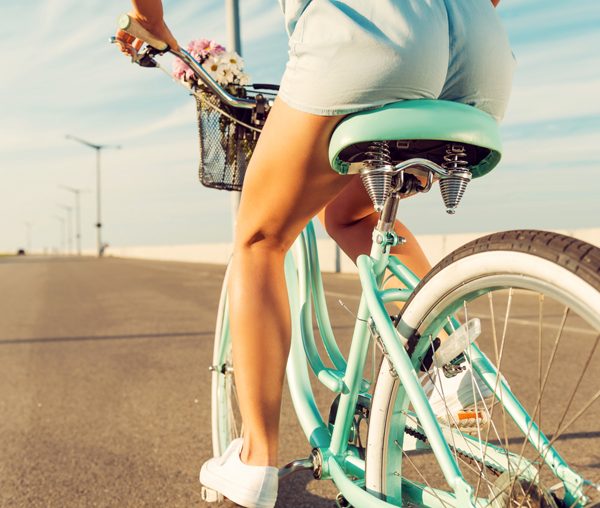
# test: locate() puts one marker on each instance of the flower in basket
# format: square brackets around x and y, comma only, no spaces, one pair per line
[225,67]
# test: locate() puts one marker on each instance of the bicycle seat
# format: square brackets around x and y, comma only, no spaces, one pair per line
[417,128]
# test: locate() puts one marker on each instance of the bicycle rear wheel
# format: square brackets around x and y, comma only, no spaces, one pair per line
[537,296]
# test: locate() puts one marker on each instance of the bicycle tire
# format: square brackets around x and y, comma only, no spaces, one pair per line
[558,268]
[225,416]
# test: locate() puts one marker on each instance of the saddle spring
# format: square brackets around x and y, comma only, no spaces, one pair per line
[453,186]
[377,173]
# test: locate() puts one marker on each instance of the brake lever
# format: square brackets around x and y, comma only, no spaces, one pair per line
[144,58]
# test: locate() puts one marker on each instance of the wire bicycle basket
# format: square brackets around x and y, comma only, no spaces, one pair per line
[227,138]
[230,116]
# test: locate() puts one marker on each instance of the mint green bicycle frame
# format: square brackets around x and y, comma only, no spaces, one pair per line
[422,119]
[341,460]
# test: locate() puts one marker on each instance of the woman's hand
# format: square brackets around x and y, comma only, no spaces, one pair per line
[149,14]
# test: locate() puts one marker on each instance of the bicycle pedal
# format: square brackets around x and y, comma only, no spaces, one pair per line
[342,502]
[210,495]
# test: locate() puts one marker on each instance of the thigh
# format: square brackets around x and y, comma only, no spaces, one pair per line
[289,178]
[349,206]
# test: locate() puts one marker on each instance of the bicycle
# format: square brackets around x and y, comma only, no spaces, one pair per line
[546,285]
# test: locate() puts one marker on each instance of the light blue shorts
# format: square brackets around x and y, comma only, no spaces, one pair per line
[351,55]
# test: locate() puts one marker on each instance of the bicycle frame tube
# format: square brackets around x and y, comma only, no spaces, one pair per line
[572,481]
[395,343]
[321,314]
[301,391]
[338,459]
[303,276]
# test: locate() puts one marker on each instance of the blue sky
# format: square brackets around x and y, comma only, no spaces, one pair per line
[60,76]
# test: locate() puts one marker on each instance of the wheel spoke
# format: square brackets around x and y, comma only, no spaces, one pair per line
[440,391]
[545,379]
[421,475]
[561,431]
[458,458]
[579,380]
[541,456]
[497,381]
[499,368]
[477,419]
[541,336]
[493,318]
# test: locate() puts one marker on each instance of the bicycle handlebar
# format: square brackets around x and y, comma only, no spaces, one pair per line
[134,28]
[206,78]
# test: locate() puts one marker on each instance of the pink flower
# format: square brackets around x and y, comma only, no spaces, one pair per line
[200,49]
[216,48]
[181,70]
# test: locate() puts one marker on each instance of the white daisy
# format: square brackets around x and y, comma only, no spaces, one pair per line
[212,66]
[233,59]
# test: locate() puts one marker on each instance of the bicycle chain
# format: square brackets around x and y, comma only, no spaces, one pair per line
[465,455]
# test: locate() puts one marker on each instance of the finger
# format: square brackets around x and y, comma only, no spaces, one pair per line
[138,44]
[125,37]
[126,49]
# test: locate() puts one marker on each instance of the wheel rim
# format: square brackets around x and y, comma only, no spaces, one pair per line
[578,327]
[226,417]
[229,417]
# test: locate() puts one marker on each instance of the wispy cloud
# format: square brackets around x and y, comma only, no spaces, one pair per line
[61,76]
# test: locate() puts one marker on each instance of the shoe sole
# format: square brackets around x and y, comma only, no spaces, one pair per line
[222,486]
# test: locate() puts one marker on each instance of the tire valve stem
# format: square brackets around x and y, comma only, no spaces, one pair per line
[454,184]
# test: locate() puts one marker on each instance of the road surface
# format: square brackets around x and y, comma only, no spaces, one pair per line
[104,384]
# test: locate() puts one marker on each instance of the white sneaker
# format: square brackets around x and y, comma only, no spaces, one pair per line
[463,400]
[244,484]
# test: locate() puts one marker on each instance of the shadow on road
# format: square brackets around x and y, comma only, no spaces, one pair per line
[84,338]
[293,492]
[46,259]
[41,340]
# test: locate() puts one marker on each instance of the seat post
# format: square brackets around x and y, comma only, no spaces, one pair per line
[384,236]
[387,217]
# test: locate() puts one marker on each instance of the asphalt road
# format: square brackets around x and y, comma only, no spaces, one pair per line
[104,385]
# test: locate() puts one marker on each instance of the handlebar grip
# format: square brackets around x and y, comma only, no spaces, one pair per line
[133,27]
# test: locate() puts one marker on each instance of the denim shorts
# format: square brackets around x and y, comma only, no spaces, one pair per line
[351,55]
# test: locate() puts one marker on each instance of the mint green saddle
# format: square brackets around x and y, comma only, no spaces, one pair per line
[417,128]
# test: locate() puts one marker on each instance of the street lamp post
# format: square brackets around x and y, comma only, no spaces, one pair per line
[76,193]
[232,9]
[63,239]
[98,149]
[234,43]
[69,210]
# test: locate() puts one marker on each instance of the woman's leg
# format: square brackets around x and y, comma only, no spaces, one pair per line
[350,219]
[288,181]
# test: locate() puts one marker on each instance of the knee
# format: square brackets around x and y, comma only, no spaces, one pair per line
[336,221]
[262,240]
